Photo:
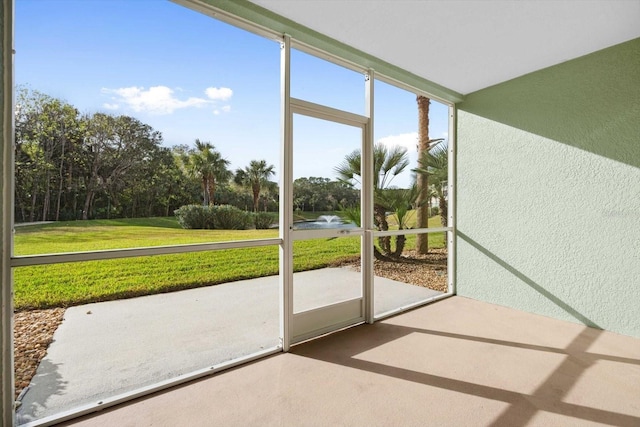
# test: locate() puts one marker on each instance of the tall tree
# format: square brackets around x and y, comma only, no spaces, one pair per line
[98,138]
[269,195]
[134,145]
[207,164]
[47,130]
[72,166]
[255,177]
[422,180]
[114,148]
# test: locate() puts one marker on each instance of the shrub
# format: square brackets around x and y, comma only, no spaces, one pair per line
[224,217]
[195,217]
[264,220]
[227,217]
[435,211]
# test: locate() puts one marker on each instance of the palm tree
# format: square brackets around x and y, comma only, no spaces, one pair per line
[269,194]
[400,201]
[424,145]
[434,164]
[256,177]
[207,164]
[387,164]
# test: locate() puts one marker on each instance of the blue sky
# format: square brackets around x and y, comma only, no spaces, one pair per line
[190,76]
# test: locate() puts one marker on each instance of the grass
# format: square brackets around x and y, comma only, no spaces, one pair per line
[61,285]
[73,236]
[434,221]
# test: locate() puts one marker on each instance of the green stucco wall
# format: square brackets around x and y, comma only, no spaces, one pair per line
[548,197]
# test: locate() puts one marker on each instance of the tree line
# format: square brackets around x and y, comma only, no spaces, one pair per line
[71,166]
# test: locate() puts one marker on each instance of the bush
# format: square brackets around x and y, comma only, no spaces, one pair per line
[264,220]
[435,211]
[224,217]
[227,217]
[195,217]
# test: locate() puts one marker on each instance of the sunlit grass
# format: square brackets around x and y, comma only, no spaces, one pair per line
[81,282]
[60,285]
[434,221]
[76,236]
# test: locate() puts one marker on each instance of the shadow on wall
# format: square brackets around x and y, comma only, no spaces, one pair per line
[551,297]
[592,103]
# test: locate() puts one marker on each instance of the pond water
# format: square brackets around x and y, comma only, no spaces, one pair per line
[323,221]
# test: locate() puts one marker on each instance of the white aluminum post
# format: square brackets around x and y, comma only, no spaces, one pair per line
[451,184]
[366,207]
[286,196]
[6,183]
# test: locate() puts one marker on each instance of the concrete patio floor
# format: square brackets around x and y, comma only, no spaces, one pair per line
[104,349]
[457,362]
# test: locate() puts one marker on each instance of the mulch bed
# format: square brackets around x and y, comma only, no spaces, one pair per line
[429,271]
[33,332]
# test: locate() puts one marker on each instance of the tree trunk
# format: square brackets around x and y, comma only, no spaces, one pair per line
[444,211]
[47,196]
[378,255]
[256,198]
[87,204]
[380,218]
[212,192]
[205,191]
[91,208]
[75,205]
[34,195]
[422,180]
[61,182]
[400,243]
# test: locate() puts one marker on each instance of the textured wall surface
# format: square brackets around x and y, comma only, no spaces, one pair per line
[549,191]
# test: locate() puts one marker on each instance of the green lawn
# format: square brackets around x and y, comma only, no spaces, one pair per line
[434,221]
[82,282]
[74,236]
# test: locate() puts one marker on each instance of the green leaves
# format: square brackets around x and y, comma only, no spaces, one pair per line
[207,164]
[256,177]
[387,164]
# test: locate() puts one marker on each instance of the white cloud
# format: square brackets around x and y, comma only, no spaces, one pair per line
[406,140]
[219,93]
[224,109]
[160,99]
[156,100]
[110,106]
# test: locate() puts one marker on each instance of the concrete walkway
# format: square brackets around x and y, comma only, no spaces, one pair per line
[104,349]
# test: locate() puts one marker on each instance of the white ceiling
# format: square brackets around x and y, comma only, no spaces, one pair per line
[467,45]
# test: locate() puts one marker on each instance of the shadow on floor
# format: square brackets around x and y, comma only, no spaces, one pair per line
[344,349]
